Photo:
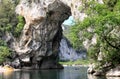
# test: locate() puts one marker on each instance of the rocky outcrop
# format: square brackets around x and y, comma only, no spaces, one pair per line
[6,68]
[114,72]
[41,35]
[91,69]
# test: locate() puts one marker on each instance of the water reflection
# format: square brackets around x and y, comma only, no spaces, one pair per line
[32,74]
[6,75]
[45,74]
[67,73]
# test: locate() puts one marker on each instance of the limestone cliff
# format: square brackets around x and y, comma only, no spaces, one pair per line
[41,35]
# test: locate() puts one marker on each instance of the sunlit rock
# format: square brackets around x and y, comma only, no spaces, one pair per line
[6,68]
[113,77]
[114,72]
[91,69]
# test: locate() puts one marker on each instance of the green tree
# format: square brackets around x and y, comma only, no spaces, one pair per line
[104,19]
[4,51]
[19,26]
[8,17]
[9,22]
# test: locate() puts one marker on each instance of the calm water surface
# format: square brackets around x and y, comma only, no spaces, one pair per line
[66,73]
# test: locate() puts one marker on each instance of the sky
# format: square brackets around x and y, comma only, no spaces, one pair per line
[70,21]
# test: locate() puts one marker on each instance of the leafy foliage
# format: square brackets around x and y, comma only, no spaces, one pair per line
[4,51]
[7,16]
[9,21]
[104,21]
[19,27]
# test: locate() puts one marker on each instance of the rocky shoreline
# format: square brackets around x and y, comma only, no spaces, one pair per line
[6,68]
[111,72]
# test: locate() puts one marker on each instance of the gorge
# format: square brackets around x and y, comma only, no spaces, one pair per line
[34,38]
[41,35]
[38,45]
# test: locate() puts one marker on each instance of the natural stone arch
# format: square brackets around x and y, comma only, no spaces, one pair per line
[42,32]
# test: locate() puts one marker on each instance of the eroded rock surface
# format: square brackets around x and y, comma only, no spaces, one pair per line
[115,72]
[39,42]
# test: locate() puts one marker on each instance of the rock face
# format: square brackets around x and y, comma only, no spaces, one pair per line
[67,53]
[75,6]
[40,39]
[114,72]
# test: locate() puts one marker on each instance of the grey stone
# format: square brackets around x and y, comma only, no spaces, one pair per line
[114,72]
[42,33]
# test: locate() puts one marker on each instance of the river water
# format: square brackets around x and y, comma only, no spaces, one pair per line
[66,73]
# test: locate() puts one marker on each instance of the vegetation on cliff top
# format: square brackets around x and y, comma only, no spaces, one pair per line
[103,19]
[9,21]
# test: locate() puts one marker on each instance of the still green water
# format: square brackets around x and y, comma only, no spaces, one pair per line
[66,73]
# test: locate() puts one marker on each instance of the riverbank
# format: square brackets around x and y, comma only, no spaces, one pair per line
[104,70]
[75,63]
[107,70]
